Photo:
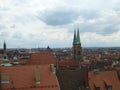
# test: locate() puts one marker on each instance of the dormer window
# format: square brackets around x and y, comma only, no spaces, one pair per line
[109,87]
[97,88]
[5,78]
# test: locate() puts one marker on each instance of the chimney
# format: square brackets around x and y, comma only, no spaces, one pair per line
[53,69]
[37,75]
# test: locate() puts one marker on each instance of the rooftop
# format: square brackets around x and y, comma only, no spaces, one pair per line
[23,78]
[103,79]
[41,58]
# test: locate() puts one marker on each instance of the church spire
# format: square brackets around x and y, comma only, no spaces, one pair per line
[74,39]
[77,49]
[5,57]
[4,47]
[78,37]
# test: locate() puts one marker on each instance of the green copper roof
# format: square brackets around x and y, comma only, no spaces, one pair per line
[6,64]
[74,39]
[78,37]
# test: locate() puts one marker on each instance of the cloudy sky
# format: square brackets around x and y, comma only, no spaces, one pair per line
[39,23]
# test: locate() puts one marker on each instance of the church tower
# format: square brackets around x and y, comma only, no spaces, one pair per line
[77,49]
[5,61]
[4,48]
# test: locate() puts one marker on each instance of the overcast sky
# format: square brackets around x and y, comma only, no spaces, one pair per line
[39,23]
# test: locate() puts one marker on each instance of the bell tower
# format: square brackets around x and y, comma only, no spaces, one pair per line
[77,49]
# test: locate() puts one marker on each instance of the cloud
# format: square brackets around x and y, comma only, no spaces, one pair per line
[2,27]
[58,16]
[51,22]
[101,22]
[90,39]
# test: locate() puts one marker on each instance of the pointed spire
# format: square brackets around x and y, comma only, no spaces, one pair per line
[78,37]
[4,44]
[74,39]
[4,47]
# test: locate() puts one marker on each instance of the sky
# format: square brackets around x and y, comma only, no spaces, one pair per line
[39,23]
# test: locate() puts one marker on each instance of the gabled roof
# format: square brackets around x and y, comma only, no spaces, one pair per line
[41,58]
[103,78]
[23,78]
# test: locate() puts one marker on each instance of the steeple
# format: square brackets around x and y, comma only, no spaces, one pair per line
[77,49]
[5,61]
[78,37]
[4,47]
[74,39]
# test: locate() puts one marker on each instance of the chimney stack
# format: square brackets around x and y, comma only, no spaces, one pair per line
[53,68]
[37,75]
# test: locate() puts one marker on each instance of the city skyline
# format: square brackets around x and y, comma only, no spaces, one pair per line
[38,23]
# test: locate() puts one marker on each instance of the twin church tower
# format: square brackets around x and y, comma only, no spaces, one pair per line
[77,49]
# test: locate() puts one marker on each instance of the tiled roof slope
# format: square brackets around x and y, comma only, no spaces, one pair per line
[23,78]
[101,78]
[71,79]
[67,64]
[41,58]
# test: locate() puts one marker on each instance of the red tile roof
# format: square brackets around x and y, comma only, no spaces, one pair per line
[41,58]
[103,78]
[23,78]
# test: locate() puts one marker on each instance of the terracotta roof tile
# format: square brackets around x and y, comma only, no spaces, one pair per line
[41,58]
[23,78]
[103,78]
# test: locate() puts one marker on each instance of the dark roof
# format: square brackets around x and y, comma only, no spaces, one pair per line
[71,79]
